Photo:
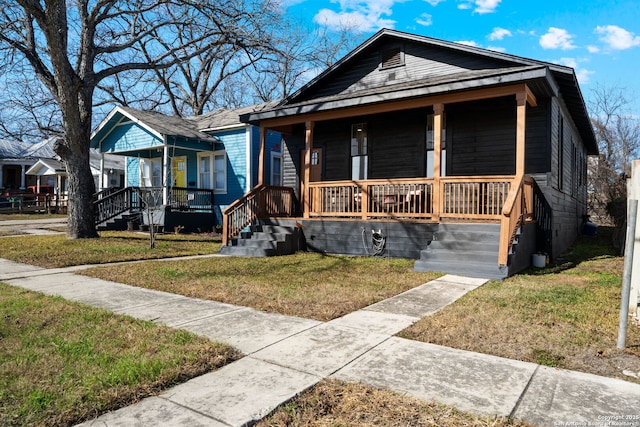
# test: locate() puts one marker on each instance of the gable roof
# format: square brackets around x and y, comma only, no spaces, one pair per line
[542,77]
[158,124]
[25,150]
[225,118]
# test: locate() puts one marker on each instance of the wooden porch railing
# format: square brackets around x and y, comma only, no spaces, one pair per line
[262,201]
[508,200]
[460,198]
[518,208]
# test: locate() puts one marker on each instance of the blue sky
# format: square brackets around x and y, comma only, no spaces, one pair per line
[600,39]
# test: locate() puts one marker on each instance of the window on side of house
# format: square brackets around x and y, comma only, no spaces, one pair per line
[276,168]
[220,171]
[205,169]
[359,151]
[212,171]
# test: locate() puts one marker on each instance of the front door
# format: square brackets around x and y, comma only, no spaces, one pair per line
[179,171]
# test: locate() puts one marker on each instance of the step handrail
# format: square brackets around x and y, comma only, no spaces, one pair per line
[517,207]
[108,205]
[262,201]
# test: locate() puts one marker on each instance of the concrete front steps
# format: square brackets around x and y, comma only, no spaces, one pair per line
[464,249]
[264,240]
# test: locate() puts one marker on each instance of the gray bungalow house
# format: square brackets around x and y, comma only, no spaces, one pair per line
[465,159]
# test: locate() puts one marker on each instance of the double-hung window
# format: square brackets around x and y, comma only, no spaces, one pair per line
[212,171]
[359,152]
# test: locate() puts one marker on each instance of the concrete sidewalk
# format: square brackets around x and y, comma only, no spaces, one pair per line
[286,355]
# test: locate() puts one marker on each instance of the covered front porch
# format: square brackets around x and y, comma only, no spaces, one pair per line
[383,186]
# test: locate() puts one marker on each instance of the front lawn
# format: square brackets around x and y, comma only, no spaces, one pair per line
[564,316]
[62,363]
[112,246]
[314,286]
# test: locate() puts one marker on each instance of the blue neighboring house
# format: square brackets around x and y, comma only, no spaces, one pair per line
[194,166]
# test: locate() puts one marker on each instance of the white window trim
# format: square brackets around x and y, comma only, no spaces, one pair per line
[213,171]
[200,156]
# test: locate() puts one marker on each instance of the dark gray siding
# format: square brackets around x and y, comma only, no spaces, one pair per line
[481,137]
[421,61]
[538,138]
[397,144]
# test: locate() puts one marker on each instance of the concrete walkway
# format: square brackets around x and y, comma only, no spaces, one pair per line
[286,355]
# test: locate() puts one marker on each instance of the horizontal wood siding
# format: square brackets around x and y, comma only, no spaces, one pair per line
[397,144]
[421,61]
[568,202]
[129,136]
[235,145]
[133,172]
[481,137]
[538,137]
[334,138]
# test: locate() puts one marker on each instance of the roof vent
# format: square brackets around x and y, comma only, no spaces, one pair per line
[393,57]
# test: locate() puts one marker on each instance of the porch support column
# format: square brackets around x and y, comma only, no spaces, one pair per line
[262,155]
[165,174]
[101,178]
[306,169]
[521,109]
[438,110]
[23,175]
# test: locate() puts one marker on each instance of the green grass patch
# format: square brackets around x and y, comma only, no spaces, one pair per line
[112,246]
[564,316]
[305,284]
[62,363]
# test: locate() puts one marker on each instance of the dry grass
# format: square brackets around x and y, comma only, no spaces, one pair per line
[62,362]
[334,403]
[306,285]
[566,316]
[27,216]
[113,246]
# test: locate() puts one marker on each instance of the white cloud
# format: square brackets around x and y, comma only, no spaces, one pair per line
[582,74]
[499,34]
[424,19]
[617,38]
[557,38]
[468,43]
[434,2]
[593,49]
[480,6]
[359,15]
[353,20]
[497,49]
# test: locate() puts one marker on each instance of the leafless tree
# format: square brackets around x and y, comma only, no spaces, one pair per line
[74,46]
[618,136]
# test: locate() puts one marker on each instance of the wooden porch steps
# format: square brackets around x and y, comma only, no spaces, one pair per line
[264,240]
[465,249]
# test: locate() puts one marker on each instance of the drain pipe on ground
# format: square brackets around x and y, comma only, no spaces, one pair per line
[626,277]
